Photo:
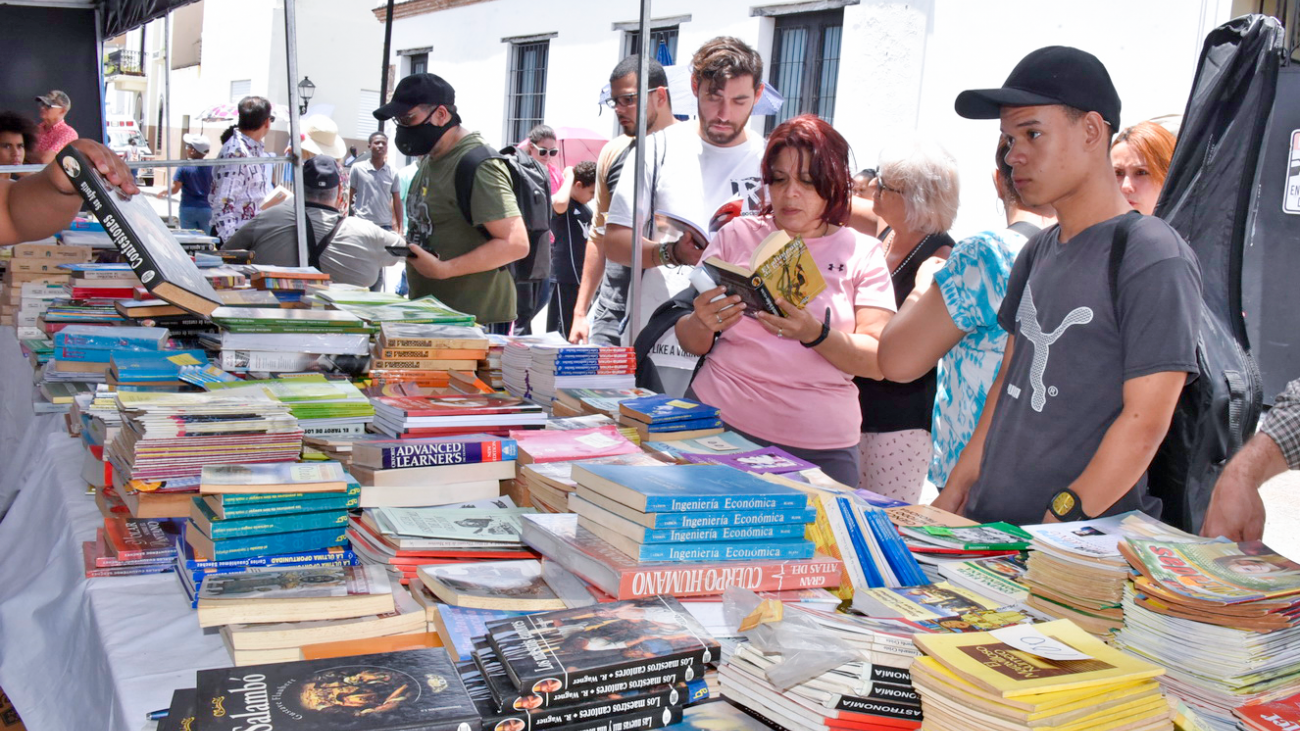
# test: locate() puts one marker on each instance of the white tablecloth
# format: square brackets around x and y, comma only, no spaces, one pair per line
[21,430]
[78,654]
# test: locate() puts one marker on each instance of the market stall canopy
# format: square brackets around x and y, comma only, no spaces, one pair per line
[120,16]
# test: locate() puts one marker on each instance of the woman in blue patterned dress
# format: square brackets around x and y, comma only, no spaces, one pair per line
[952,316]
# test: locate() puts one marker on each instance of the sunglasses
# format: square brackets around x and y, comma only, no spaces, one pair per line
[627,100]
[544,151]
[409,119]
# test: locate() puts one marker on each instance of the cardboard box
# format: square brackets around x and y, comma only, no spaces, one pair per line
[12,277]
[38,265]
[64,254]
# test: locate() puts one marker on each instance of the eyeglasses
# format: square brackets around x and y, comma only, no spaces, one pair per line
[408,119]
[627,100]
[272,117]
[544,151]
[880,183]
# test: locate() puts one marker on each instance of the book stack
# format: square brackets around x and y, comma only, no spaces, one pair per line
[872,692]
[286,355]
[403,539]
[1001,578]
[569,445]
[193,569]
[490,372]
[426,353]
[323,406]
[1076,570]
[723,514]
[425,310]
[665,417]
[30,278]
[159,370]
[224,277]
[288,284]
[434,416]
[129,547]
[1051,675]
[272,352]
[625,664]
[1220,617]
[101,283]
[1272,716]
[267,616]
[559,538]
[251,510]
[432,471]
[548,485]
[458,627]
[536,368]
[584,401]
[416,689]
[84,352]
[167,438]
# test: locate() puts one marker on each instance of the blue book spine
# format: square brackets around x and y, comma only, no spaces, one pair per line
[335,501]
[347,557]
[265,545]
[903,562]
[437,454]
[220,530]
[698,535]
[110,338]
[859,547]
[742,551]
[670,521]
[354,490]
[201,574]
[715,503]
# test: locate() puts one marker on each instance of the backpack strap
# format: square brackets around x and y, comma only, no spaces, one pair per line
[1118,247]
[1025,228]
[316,248]
[466,169]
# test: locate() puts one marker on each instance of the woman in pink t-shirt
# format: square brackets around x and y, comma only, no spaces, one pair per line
[788,381]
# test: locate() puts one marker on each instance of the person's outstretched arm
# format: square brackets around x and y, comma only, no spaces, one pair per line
[42,204]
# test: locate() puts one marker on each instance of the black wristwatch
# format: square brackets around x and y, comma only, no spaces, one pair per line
[825,333]
[1067,506]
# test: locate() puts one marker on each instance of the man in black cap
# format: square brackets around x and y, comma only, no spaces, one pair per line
[461,264]
[349,249]
[1090,377]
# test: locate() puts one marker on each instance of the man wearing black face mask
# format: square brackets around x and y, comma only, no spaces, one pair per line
[450,258]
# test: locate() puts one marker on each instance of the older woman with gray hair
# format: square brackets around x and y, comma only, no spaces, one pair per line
[916,194]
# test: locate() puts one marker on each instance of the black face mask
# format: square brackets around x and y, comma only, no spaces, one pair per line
[419,140]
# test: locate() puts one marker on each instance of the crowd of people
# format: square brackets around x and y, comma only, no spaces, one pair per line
[1001,367]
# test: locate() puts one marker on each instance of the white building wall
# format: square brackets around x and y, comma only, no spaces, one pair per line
[903,62]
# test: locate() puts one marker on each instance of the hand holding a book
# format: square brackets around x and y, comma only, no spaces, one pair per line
[798,324]
[720,315]
[109,165]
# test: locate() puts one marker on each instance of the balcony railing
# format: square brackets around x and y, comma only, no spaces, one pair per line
[123,62]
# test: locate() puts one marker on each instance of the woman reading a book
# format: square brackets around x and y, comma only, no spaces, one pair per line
[788,381]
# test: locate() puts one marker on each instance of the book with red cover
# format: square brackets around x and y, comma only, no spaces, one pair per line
[1279,715]
[89,557]
[133,539]
[552,445]
[362,533]
[560,539]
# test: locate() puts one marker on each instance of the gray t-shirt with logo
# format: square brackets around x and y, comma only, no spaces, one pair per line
[1064,386]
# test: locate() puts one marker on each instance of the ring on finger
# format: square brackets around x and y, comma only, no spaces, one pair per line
[719,319]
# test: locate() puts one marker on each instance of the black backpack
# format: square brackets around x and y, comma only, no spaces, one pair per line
[1216,413]
[532,186]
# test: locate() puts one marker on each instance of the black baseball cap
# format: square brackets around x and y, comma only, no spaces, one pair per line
[320,173]
[415,90]
[1052,75]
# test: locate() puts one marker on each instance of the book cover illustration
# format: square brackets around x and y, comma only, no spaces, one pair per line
[396,690]
[987,537]
[767,460]
[276,473]
[930,601]
[298,583]
[780,267]
[1218,572]
[456,524]
[587,646]
[491,582]
[1100,537]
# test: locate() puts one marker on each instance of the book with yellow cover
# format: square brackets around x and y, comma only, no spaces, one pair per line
[988,662]
[930,601]
[928,674]
[781,266]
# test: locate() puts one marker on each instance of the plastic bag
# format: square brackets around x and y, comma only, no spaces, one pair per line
[805,650]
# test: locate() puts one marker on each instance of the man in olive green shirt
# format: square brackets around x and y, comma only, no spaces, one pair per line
[450,258]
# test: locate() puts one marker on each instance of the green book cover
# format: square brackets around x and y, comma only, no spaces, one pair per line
[217,529]
[329,501]
[263,498]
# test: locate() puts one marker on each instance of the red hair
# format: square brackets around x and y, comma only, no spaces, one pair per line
[1154,144]
[827,153]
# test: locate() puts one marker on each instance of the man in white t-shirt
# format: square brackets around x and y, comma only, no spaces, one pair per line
[694,169]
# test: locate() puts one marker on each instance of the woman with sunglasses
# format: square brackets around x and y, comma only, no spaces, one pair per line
[915,194]
[544,148]
[788,381]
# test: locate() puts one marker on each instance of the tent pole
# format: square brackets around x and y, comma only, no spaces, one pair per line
[383,72]
[167,106]
[291,64]
[639,192]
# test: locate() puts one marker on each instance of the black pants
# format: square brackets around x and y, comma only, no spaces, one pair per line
[530,297]
[559,315]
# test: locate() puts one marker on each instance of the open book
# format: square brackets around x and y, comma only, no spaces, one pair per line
[780,267]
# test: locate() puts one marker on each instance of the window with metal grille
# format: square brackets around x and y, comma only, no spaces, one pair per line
[658,36]
[527,106]
[806,64]
[420,63]
[240,89]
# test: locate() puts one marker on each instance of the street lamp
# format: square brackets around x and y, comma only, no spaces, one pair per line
[306,90]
